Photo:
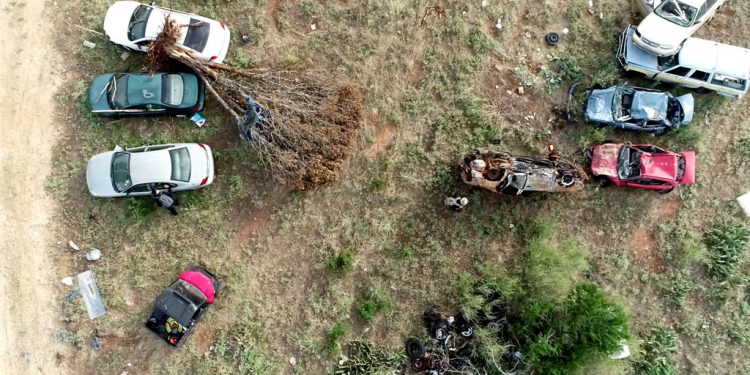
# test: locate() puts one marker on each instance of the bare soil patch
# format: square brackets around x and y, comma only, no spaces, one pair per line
[643,245]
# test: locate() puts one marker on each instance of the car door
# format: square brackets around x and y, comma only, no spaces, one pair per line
[139,190]
[678,74]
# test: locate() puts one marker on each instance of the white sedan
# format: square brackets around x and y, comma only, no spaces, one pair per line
[136,171]
[135,26]
[664,30]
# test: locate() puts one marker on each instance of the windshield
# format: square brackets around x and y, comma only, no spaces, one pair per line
[172,89]
[677,12]
[118,91]
[137,26]
[629,163]
[180,164]
[621,102]
[121,171]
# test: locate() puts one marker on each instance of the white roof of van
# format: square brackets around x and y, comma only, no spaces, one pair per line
[711,56]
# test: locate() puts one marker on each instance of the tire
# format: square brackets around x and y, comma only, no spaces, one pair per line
[414,349]
[494,174]
[552,39]
[661,131]
[665,191]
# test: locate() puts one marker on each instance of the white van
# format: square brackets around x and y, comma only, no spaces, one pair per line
[699,64]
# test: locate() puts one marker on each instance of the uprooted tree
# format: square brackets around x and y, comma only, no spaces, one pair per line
[301,124]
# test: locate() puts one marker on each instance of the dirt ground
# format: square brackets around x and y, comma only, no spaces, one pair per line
[27,273]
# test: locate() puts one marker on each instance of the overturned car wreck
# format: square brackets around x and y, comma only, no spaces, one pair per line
[502,173]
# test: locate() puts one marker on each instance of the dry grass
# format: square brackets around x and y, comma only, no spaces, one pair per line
[440,93]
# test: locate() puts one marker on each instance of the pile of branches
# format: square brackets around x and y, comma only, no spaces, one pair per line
[362,358]
[302,125]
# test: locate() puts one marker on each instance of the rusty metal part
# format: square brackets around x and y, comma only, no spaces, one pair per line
[509,175]
[436,10]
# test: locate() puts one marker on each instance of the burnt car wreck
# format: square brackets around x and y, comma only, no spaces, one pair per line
[502,173]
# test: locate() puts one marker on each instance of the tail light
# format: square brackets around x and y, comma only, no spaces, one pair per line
[222,26]
[204,181]
[213,58]
[203,146]
[197,107]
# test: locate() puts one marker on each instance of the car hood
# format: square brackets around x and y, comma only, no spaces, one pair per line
[599,105]
[649,106]
[99,175]
[688,105]
[689,177]
[604,159]
[117,19]
[98,93]
[662,32]
[659,166]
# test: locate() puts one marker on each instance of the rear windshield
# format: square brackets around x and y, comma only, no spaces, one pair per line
[137,26]
[180,164]
[121,171]
[677,12]
[172,89]
[197,35]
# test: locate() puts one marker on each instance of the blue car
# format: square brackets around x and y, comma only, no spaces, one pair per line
[638,109]
[142,94]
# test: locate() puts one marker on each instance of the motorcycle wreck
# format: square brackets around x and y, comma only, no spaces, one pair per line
[502,173]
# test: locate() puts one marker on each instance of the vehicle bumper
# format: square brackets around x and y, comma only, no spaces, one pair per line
[656,50]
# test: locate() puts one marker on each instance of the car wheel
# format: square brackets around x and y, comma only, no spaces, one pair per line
[661,131]
[552,39]
[415,349]
[665,191]
[588,156]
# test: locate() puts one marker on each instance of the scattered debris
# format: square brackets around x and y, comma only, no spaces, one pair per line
[436,10]
[744,202]
[26,355]
[485,3]
[88,44]
[89,30]
[124,56]
[94,254]
[521,90]
[198,120]
[449,351]
[565,31]
[245,39]
[67,281]
[313,26]
[90,293]
[499,24]
[95,344]
[73,295]
[73,246]
[293,361]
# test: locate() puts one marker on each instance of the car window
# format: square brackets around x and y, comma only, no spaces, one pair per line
[699,75]
[197,35]
[140,188]
[118,91]
[121,171]
[137,25]
[680,71]
[677,12]
[629,163]
[180,164]
[735,83]
[172,89]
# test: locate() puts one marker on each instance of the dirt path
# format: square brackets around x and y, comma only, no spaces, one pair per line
[28,304]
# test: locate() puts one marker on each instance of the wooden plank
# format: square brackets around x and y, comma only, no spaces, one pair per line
[90,293]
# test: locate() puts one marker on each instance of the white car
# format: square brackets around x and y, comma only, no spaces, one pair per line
[664,30]
[136,171]
[135,26]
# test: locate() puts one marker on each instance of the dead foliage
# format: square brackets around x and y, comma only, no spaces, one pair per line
[302,124]
[435,10]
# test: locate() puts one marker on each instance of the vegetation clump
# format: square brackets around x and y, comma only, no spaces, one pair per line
[726,244]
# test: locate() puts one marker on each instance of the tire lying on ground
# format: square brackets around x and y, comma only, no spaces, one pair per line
[414,349]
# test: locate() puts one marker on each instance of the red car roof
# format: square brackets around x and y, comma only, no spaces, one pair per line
[202,282]
[659,166]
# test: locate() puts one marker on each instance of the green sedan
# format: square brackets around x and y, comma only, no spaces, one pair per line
[141,94]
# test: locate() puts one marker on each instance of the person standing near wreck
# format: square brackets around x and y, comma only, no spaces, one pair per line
[165,199]
[456,202]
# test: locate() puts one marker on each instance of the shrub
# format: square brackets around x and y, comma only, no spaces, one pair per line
[726,244]
[377,301]
[479,42]
[337,332]
[658,353]
[342,262]
[139,208]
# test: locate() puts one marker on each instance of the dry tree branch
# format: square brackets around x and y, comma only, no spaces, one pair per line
[302,124]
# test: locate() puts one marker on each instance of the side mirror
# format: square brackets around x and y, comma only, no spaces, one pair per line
[118,148]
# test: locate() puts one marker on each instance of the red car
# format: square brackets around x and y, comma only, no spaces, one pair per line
[642,166]
[179,308]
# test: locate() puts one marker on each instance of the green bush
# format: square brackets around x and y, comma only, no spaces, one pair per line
[479,42]
[726,244]
[337,332]
[376,302]
[342,262]
[658,353]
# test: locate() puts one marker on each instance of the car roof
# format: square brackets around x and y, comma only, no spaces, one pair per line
[156,22]
[144,89]
[152,166]
[711,56]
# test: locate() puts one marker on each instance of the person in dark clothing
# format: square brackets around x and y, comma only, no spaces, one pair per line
[164,198]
